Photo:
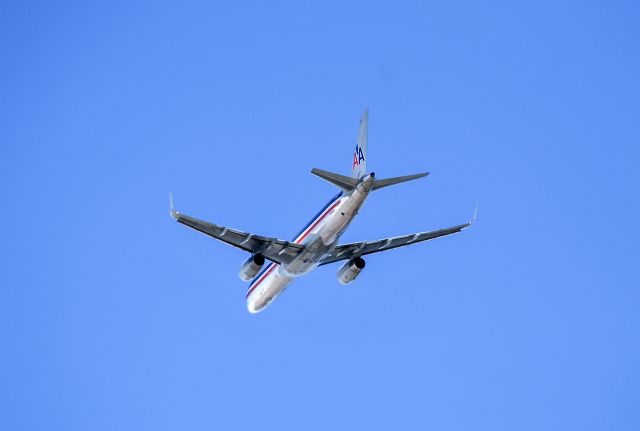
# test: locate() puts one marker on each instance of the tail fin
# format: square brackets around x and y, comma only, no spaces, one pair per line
[359,167]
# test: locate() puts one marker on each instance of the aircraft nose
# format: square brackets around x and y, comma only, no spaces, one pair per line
[253,307]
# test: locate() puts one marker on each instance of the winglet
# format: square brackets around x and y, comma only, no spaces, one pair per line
[475,215]
[172,209]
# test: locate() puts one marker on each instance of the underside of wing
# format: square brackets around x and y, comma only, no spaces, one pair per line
[276,250]
[348,251]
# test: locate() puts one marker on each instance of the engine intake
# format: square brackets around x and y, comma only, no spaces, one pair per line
[350,270]
[251,267]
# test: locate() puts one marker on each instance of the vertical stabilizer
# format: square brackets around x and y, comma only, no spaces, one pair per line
[359,163]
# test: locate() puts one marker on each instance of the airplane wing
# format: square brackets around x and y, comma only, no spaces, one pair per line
[348,251]
[274,249]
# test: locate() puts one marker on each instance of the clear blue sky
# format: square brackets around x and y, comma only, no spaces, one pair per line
[112,316]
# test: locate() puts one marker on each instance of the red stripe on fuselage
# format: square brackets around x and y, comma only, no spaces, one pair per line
[273,266]
[305,233]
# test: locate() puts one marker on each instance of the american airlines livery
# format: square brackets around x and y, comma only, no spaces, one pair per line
[317,244]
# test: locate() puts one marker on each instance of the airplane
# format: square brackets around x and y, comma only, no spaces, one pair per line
[317,243]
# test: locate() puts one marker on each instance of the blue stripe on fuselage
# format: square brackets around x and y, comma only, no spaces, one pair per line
[261,273]
[317,215]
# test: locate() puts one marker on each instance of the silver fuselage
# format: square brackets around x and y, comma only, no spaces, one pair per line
[318,238]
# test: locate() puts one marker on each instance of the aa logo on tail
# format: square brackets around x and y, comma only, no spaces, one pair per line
[357,157]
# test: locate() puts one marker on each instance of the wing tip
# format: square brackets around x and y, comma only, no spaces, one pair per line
[475,215]
[172,209]
[472,221]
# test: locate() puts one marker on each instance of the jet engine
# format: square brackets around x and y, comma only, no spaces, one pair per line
[251,267]
[350,270]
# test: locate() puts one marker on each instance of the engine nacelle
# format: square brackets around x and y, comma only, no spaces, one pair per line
[350,270]
[251,267]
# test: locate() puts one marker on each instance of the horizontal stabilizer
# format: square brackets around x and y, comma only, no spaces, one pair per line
[343,182]
[386,182]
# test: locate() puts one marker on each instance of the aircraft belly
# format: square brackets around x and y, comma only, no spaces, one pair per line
[338,222]
[267,291]
[342,217]
[317,244]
